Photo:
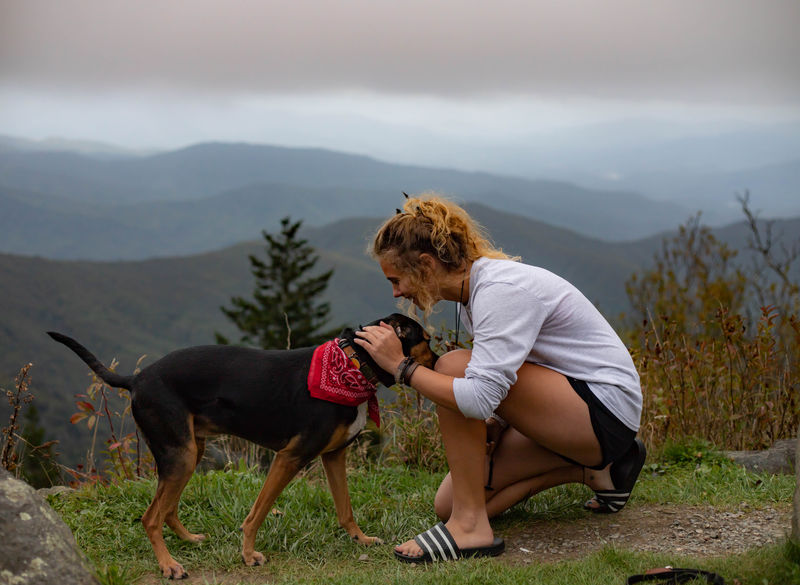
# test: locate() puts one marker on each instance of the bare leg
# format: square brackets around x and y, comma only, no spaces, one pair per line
[522,468]
[465,444]
[545,409]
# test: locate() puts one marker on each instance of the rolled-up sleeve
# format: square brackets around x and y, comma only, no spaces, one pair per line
[506,320]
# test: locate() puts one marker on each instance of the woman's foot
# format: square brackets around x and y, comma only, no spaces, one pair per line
[479,535]
[446,542]
[613,485]
[598,480]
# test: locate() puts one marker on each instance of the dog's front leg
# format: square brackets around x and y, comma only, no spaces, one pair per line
[335,466]
[284,467]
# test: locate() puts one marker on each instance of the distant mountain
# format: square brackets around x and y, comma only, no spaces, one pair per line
[48,226]
[128,309]
[239,177]
[631,146]
[55,143]
[775,187]
[698,166]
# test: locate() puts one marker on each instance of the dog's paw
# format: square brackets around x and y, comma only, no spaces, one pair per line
[196,538]
[253,559]
[367,540]
[173,570]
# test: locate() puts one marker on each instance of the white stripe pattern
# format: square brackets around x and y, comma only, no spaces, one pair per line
[615,500]
[438,543]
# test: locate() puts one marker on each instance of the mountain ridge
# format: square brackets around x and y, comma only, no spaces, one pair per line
[202,171]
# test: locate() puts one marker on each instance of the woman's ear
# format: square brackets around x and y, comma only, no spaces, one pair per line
[429,262]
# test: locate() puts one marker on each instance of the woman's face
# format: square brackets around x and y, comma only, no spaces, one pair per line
[401,284]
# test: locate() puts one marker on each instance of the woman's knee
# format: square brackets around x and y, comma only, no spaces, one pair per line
[454,363]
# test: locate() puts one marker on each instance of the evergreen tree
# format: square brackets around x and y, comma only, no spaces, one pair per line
[284,312]
[38,458]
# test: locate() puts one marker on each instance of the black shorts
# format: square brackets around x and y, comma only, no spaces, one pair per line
[613,435]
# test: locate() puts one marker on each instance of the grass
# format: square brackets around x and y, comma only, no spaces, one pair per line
[305,545]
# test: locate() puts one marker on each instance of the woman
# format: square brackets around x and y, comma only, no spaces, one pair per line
[548,383]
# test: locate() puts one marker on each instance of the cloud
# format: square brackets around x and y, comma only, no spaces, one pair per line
[732,51]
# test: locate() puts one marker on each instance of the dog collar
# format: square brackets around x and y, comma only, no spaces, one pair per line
[352,355]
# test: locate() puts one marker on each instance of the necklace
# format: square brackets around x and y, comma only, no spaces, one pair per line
[458,306]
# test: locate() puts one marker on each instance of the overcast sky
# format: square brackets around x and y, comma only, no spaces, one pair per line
[169,72]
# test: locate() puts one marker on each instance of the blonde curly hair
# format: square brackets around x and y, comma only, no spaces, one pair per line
[431,224]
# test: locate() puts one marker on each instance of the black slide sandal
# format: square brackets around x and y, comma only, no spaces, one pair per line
[438,545]
[624,473]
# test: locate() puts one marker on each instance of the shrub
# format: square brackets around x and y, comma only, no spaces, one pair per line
[125,455]
[714,361]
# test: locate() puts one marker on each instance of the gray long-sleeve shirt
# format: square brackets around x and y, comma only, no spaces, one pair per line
[519,313]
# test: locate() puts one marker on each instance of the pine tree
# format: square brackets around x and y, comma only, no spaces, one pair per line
[39,461]
[284,312]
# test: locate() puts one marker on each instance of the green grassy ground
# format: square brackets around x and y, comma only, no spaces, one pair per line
[305,545]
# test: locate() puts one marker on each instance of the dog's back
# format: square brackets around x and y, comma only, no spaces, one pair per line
[259,395]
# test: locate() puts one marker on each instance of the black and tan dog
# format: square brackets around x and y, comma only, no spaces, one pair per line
[259,395]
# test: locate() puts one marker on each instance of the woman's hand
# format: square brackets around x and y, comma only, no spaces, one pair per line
[494,430]
[382,343]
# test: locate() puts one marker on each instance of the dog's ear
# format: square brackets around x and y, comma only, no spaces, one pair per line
[347,333]
[399,329]
[406,327]
[398,323]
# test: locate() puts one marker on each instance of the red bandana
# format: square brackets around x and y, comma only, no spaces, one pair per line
[333,377]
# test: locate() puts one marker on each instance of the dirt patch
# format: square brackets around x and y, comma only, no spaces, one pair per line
[682,530]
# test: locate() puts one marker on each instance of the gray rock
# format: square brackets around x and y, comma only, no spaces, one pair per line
[54,491]
[36,547]
[779,458]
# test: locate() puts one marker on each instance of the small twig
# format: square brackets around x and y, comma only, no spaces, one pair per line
[288,331]
[113,433]
[22,396]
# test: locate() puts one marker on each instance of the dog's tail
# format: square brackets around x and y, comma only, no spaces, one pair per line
[111,378]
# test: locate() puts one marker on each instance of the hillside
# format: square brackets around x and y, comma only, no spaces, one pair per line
[774,186]
[206,196]
[128,309]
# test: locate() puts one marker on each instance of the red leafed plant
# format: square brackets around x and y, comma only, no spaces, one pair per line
[123,457]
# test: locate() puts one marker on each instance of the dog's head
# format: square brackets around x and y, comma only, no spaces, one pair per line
[415,341]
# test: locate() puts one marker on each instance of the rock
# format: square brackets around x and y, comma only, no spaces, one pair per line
[54,491]
[779,458]
[36,546]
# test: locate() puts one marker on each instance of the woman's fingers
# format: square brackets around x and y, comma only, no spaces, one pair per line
[377,335]
[382,343]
